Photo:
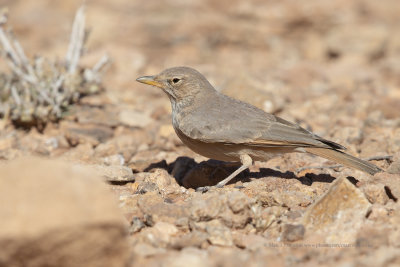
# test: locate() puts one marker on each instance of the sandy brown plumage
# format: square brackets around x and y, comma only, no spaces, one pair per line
[220,127]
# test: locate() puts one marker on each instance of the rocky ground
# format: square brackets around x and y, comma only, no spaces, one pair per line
[331,66]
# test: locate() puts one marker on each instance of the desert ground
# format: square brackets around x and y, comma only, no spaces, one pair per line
[331,66]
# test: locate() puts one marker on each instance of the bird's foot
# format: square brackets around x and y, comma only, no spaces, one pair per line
[204,189]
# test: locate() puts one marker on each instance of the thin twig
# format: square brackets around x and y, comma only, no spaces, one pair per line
[104,60]
[24,60]
[77,40]
[14,55]
[15,95]
[18,71]
[10,52]
[3,16]
[43,93]
[57,84]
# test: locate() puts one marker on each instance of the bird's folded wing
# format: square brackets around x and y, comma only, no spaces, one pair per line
[285,133]
[266,131]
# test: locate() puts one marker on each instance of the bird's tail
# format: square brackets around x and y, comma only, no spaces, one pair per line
[345,159]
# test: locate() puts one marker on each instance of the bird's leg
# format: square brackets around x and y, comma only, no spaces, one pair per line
[246,163]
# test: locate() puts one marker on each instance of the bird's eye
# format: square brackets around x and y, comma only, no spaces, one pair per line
[175,80]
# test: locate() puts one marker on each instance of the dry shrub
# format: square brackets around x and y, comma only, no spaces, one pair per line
[42,90]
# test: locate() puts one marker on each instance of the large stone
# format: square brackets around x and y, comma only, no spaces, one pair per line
[58,214]
[339,213]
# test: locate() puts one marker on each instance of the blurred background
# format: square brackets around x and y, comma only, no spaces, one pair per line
[274,54]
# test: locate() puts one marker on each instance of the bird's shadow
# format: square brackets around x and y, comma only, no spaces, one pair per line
[307,179]
[190,174]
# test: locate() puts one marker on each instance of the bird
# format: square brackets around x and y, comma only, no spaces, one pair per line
[223,128]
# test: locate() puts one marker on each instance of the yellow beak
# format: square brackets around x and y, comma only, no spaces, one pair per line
[149,80]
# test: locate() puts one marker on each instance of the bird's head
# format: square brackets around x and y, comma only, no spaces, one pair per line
[179,83]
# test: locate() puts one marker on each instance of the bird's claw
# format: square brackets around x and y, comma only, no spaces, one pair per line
[204,189]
